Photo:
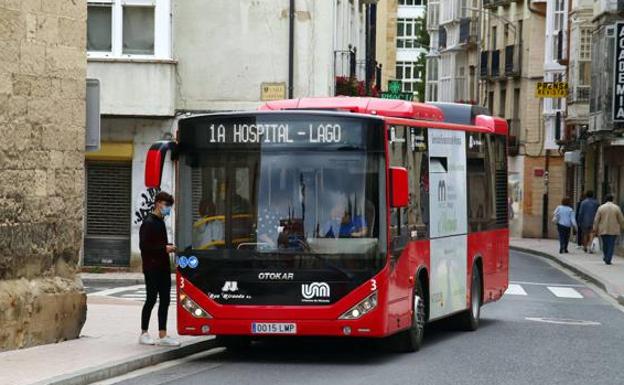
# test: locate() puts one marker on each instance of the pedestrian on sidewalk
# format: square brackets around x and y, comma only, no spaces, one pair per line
[586,215]
[564,217]
[155,250]
[608,224]
[579,233]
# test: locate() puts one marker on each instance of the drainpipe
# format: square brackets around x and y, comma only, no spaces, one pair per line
[291,47]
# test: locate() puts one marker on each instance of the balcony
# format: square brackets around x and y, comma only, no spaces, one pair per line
[135,87]
[468,31]
[495,68]
[485,61]
[441,38]
[489,4]
[513,60]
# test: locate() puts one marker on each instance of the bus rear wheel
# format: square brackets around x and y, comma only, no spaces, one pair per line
[469,319]
[410,340]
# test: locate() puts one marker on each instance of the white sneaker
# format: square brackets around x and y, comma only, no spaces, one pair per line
[167,341]
[146,339]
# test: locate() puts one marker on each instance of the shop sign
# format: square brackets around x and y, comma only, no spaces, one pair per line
[618,74]
[551,90]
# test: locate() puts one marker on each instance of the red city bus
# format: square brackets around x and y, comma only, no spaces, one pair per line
[337,217]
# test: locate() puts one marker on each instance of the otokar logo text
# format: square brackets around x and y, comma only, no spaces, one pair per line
[316,290]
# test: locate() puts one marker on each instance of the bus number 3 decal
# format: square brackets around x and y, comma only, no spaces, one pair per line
[373,284]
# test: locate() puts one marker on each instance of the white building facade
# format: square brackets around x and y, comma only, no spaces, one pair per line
[453,56]
[555,58]
[157,60]
[409,51]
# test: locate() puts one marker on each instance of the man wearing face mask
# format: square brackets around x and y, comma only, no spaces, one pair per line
[155,250]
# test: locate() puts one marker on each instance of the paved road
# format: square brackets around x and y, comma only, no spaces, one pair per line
[534,335]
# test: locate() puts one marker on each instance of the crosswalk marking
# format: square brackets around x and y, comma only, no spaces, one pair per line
[107,292]
[564,292]
[515,289]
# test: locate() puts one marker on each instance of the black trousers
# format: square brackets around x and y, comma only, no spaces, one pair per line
[157,284]
[564,237]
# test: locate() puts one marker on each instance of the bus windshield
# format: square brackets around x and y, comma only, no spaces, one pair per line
[314,192]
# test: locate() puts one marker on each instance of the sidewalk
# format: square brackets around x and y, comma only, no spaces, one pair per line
[108,347]
[590,266]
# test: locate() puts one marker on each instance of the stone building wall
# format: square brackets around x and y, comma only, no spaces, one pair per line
[42,118]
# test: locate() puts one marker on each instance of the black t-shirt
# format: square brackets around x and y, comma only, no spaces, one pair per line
[153,244]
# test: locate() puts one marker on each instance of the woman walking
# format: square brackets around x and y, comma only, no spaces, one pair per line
[565,219]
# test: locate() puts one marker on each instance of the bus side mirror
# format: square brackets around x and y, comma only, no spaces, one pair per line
[399,187]
[155,162]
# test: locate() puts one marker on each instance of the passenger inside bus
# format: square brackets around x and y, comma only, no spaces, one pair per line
[344,223]
[209,229]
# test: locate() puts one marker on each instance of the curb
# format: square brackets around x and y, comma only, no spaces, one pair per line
[578,271]
[118,368]
[112,281]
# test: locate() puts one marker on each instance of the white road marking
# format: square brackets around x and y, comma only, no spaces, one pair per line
[547,284]
[564,292]
[562,321]
[515,289]
[115,290]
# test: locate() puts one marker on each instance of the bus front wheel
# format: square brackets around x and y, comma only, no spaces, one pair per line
[410,340]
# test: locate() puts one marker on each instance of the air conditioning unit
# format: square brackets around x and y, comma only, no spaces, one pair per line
[572,157]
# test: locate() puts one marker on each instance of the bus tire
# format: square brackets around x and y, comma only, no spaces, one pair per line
[410,340]
[469,319]
[234,343]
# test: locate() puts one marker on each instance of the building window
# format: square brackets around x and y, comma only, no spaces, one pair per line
[407,33]
[559,27]
[129,28]
[433,15]
[410,74]
[138,30]
[411,2]
[585,44]
[99,33]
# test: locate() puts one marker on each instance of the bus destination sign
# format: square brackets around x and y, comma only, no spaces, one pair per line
[280,131]
[271,133]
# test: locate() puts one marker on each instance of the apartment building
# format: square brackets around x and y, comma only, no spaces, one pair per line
[578,57]
[453,57]
[400,51]
[603,144]
[158,60]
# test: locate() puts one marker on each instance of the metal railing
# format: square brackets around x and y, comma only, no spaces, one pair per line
[467,31]
[579,94]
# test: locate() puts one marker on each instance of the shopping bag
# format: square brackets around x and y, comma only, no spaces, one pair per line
[595,245]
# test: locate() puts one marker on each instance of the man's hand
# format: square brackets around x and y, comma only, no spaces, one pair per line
[170,249]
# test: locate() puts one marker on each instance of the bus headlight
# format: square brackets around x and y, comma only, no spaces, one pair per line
[193,308]
[363,307]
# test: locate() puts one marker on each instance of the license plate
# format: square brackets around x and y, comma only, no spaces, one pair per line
[273,328]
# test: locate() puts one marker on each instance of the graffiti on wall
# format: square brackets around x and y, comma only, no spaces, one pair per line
[145,205]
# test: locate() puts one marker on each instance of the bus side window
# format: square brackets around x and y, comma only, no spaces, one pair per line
[480,153]
[397,145]
[418,168]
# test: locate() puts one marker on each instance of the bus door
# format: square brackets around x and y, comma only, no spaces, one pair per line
[448,221]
